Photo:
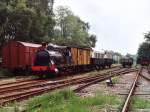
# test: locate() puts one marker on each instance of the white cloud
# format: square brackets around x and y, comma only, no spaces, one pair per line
[118,24]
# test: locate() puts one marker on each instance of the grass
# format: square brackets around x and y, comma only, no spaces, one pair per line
[67,101]
[115,80]
[92,73]
[139,103]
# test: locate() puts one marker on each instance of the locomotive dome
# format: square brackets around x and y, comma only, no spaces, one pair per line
[54,53]
[105,56]
[108,55]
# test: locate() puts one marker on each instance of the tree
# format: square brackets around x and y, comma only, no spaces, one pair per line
[20,22]
[71,30]
[144,48]
[92,40]
[4,13]
[61,15]
[45,6]
[6,2]
[33,21]
[144,51]
[147,36]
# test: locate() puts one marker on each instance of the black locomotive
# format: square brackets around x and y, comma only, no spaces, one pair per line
[126,62]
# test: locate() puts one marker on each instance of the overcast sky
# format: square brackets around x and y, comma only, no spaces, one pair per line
[118,24]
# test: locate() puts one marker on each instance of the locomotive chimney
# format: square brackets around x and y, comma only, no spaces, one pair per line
[44,45]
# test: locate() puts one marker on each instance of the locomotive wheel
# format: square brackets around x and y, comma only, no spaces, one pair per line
[103,67]
[40,76]
[124,66]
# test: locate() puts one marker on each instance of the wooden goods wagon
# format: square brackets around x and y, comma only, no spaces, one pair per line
[80,56]
[16,54]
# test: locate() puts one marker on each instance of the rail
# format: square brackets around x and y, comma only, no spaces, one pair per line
[47,87]
[128,99]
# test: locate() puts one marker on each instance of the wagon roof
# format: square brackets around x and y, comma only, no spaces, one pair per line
[79,47]
[30,44]
[86,48]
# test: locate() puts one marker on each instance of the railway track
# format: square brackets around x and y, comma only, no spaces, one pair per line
[23,90]
[110,74]
[135,90]
[27,81]
[30,83]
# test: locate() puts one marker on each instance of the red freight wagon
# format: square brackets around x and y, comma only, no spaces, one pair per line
[18,55]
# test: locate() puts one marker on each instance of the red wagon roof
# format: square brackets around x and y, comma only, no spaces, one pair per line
[30,44]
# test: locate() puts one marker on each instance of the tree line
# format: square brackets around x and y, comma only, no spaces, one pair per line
[144,48]
[37,21]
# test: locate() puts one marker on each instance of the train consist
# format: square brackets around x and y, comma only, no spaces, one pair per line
[126,61]
[52,58]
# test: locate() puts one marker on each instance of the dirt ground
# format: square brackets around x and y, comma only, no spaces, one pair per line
[121,86]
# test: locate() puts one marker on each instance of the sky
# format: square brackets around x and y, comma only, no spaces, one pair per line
[118,24]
